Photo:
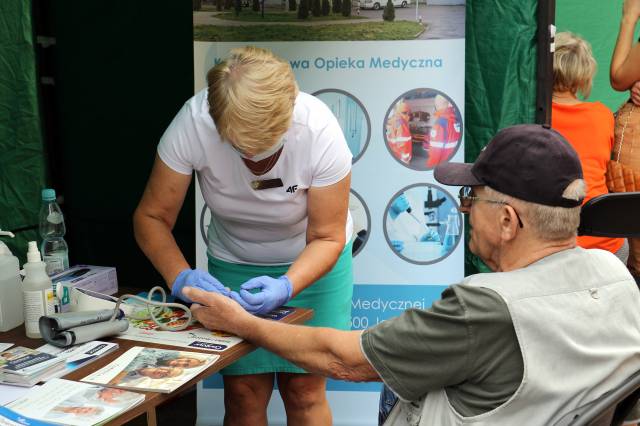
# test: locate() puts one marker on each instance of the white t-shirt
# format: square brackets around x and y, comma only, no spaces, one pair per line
[264,227]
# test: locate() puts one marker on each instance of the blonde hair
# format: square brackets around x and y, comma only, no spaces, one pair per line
[547,222]
[251,98]
[573,64]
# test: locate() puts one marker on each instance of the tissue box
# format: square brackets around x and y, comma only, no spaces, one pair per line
[101,279]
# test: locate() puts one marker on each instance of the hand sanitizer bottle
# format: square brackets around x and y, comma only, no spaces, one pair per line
[37,291]
[11,314]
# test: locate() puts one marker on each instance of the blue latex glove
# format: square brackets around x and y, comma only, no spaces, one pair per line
[199,279]
[274,292]
[398,245]
[399,205]
[431,235]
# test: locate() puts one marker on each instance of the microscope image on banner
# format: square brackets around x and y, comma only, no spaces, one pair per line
[422,224]
[423,128]
[352,116]
[361,222]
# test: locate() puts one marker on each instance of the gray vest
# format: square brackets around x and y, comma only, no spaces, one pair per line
[576,315]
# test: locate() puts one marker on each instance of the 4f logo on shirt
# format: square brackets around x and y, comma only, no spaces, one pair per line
[292,189]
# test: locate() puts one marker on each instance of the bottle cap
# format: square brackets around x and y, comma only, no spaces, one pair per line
[33,254]
[48,194]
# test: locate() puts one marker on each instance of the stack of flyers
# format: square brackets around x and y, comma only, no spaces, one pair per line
[25,367]
[77,356]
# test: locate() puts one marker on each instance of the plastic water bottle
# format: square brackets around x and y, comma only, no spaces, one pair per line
[55,252]
[11,313]
[37,291]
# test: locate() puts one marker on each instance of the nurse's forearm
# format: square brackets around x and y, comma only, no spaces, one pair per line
[317,258]
[327,208]
[157,242]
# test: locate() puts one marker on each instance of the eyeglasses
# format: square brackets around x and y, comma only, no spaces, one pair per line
[467,197]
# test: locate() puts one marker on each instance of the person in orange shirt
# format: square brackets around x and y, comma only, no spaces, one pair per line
[588,126]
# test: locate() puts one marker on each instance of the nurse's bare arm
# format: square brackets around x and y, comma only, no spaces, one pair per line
[625,63]
[155,218]
[327,217]
[324,351]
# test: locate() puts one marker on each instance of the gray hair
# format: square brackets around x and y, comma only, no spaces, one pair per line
[548,223]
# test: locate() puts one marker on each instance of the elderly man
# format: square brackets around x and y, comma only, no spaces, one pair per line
[554,327]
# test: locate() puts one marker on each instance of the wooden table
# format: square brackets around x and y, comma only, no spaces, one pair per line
[152,399]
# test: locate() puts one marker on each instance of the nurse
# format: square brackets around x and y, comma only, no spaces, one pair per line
[274,169]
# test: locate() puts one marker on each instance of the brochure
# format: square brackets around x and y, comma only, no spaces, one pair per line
[25,361]
[5,346]
[73,403]
[25,367]
[194,336]
[77,356]
[151,369]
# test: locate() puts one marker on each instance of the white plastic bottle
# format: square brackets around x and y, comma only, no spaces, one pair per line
[37,291]
[11,313]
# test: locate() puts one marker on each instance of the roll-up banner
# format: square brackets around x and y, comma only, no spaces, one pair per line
[397,90]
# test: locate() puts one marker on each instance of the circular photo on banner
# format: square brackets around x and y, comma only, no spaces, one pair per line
[361,222]
[422,224]
[423,128]
[352,116]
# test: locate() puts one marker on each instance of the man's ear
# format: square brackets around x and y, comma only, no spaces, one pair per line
[508,223]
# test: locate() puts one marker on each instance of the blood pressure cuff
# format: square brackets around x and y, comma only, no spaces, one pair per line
[71,328]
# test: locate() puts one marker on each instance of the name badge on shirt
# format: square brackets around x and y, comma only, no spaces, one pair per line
[266,184]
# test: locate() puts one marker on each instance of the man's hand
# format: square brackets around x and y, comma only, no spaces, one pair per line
[217,312]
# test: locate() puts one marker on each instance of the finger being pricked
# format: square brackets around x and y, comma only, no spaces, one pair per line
[214,311]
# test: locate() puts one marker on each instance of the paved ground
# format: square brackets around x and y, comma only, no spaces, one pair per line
[443,22]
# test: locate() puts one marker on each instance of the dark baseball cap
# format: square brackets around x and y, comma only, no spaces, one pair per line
[530,162]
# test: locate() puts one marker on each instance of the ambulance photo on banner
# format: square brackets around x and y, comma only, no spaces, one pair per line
[393,75]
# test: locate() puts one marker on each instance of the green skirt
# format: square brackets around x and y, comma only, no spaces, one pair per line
[329,297]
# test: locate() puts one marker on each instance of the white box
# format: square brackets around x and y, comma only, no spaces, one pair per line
[101,279]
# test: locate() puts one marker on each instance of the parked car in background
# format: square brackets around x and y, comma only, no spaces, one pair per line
[379,4]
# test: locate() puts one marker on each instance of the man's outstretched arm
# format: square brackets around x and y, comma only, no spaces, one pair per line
[324,351]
